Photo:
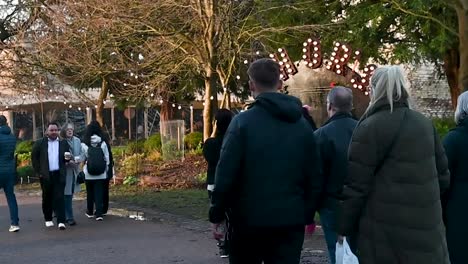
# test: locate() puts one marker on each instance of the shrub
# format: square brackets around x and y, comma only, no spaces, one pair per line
[24,172]
[193,140]
[153,143]
[201,178]
[24,147]
[171,151]
[198,151]
[130,180]
[24,159]
[118,152]
[135,147]
[443,125]
[131,165]
[153,156]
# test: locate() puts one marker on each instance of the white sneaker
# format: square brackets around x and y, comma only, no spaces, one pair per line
[62,226]
[14,228]
[99,219]
[89,216]
[49,224]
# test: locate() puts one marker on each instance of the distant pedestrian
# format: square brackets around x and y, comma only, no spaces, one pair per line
[73,169]
[49,159]
[333,140]
[267,174]
[397,173]
[456,215]
[8,171]
[97,160]
[211,152]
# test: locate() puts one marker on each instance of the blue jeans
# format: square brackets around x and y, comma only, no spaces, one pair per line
[8,184]
[69,207]
[328,221]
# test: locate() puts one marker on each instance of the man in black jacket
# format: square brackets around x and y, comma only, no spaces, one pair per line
[48,160]
[267,174]
[333,139]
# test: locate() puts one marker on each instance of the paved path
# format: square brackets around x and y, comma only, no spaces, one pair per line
[115,240]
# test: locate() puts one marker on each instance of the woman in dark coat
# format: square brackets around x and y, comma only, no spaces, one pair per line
[456,213]
[397,173]
[211,152]
[212,146]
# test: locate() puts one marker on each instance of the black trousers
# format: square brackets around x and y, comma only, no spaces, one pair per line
[95,196]
[53,199]
[266,245]
[105,199]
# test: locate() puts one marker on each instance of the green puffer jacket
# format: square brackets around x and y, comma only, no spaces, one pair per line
[392,197]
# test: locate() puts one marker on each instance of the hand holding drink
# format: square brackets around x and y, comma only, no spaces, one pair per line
[68,156]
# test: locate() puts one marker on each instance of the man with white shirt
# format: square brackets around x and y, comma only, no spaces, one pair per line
[48,160]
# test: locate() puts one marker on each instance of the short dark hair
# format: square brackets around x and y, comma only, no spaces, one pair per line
[3,120]
[265,73]
[53,124]
[341,98]
[223,119]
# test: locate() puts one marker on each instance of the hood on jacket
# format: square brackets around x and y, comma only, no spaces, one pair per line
[95,139]
[283,107]
[5,130]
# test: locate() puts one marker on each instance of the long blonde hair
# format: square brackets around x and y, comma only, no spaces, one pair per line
[388,83]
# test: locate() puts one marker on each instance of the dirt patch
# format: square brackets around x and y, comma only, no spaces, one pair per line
[174,174]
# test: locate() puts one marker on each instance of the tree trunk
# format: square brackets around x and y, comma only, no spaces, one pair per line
[166,114]
[462,14]
[451,68]
[100,103]
[210,105]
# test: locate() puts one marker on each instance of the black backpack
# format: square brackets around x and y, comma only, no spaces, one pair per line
[96,160]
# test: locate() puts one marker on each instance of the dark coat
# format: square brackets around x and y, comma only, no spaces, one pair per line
[393,193]
[333,140]
[7,153]
[456,147]
[268,172]
[211,152]
[40,158]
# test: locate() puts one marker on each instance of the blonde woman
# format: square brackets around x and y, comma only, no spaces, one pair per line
[73,169]
[397,173]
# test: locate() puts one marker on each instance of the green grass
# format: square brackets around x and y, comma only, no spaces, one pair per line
[192,203]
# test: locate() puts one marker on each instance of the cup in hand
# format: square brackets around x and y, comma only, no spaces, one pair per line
[68,156]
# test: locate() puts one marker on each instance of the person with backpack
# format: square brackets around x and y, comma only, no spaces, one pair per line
[95,169]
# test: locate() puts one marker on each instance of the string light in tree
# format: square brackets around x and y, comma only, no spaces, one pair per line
[312,53]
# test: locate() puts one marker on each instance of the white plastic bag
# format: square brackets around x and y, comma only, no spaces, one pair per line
[344,255]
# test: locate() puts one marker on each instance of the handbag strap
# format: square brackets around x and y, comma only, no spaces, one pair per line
[390,148]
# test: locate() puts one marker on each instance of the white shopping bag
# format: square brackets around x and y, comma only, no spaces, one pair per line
[344,255]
